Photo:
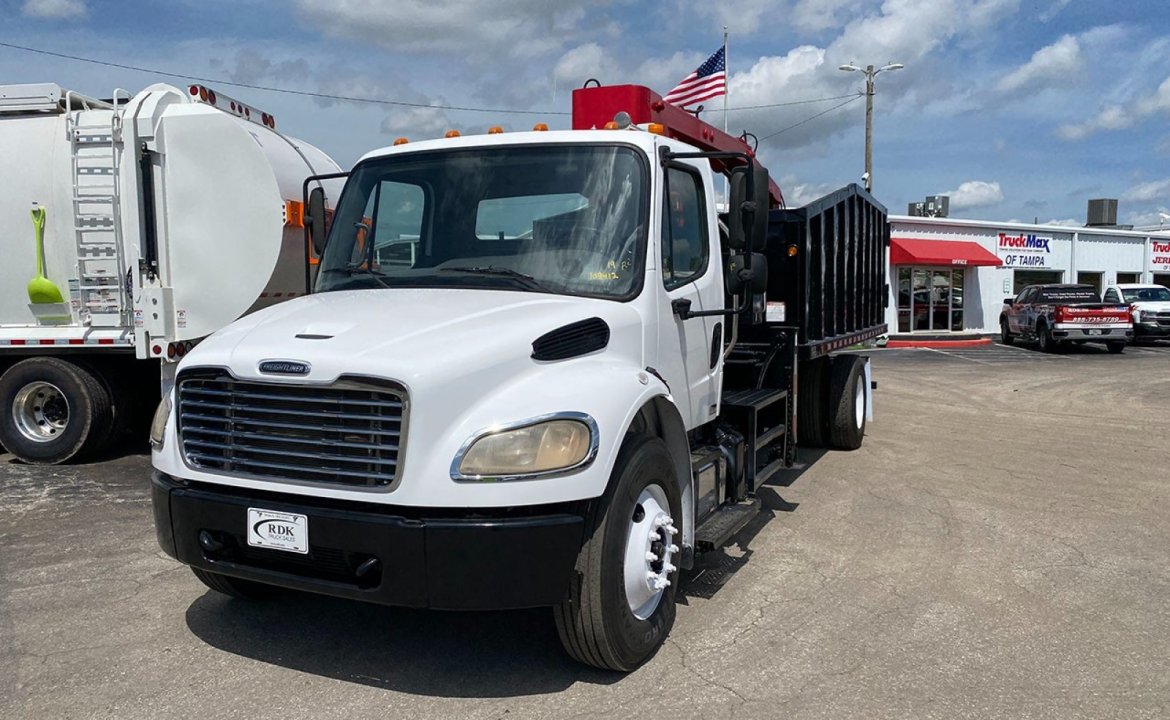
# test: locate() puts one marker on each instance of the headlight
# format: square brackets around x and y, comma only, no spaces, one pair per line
[158,426]
[538,448]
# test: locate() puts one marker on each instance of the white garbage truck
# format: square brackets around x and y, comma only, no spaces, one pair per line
[537,369]
[132,228]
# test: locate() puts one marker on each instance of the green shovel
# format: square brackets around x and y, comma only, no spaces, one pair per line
[41,290]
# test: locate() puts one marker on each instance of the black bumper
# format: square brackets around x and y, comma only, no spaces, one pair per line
[464,562]
[1151,330]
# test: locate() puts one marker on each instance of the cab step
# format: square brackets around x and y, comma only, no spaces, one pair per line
[724,523]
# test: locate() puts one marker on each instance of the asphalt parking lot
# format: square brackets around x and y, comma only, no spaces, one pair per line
[998,548]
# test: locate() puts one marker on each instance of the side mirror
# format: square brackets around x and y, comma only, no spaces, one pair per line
[1009,301]
[739,279]
[748,216]
[315,224]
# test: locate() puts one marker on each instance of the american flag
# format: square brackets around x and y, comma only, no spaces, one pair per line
[708,81]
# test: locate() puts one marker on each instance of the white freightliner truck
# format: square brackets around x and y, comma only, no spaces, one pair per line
[537,369]
[166,216]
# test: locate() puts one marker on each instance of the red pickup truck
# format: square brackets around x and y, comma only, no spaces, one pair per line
[1055,314]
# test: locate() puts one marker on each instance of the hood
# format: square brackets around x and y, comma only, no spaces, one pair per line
[1152,306]
[410,334]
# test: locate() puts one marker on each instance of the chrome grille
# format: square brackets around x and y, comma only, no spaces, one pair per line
[346,433]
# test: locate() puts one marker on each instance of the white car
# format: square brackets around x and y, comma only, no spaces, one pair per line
[1150,305]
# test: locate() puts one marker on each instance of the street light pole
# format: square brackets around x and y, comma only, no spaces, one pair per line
[870,72]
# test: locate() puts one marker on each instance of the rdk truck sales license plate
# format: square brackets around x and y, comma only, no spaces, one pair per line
[278,530]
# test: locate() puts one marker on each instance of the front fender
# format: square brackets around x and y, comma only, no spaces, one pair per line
[610,391]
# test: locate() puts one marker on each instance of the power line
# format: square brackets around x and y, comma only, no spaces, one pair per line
[810,119]
[794,102]
[349,98]
[287,91]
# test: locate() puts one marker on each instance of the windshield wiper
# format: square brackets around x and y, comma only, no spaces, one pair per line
[524,279]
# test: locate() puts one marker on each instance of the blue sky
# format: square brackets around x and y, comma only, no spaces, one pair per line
[1019,109]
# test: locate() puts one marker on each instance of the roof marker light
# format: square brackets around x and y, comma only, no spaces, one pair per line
[656,128]
[611,125]
[495,130]
[400,141]
[540,127]
[452,134]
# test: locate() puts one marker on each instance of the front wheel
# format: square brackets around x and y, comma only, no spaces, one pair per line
[620,604]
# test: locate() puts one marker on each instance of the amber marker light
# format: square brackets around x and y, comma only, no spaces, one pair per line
[400,141]
[495,130]
[452,134]
[540,127]
[611,125]
[656,128]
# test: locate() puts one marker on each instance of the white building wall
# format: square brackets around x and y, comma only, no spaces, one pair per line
[1030,247]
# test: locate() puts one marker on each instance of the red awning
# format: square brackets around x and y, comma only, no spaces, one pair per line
[907,251]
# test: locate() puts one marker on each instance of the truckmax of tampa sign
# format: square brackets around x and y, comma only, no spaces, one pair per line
[1025,250]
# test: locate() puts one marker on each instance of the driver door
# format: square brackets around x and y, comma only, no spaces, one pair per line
[690,351]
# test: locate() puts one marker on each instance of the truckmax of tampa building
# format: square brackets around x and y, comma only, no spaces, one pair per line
[537,369]
[145,223]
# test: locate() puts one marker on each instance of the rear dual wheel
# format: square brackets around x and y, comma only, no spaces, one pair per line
[53,411]
[831,407]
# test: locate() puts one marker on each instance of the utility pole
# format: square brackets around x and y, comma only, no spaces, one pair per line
[870,72]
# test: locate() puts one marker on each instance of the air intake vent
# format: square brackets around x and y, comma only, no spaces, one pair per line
[572,340]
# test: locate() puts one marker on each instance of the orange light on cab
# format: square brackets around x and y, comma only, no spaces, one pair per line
[495,130]
[611,125]
[452,134]
[540,127]
[400,141]
[656,128]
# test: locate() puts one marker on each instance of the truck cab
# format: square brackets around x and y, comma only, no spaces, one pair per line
[509,387]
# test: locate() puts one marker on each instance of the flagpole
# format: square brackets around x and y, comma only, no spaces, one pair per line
[726,78]
[726,90]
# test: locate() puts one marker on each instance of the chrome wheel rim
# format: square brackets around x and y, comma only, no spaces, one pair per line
[649,549]
[859,404]
[41,411]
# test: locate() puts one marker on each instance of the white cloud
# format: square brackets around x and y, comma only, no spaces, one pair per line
[1066,222]
[975,193]
[54,9]
[1054,63]
[469,28]
[417,122]
[1120,117]
[797,194]
[816,15]
[1149,191]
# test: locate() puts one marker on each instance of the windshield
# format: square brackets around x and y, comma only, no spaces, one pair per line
[560,219]
[1154,294]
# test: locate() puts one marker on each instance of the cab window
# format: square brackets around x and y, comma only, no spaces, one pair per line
[684,228]
[1111,296]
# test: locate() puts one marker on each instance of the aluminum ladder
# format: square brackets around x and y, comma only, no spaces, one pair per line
[95,136]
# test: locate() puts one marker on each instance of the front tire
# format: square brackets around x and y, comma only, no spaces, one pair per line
[52,411]
[1005,335]
[620,604]
[233,587]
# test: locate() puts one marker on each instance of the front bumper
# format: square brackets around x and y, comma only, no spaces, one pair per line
[1153,329]
[453,561]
